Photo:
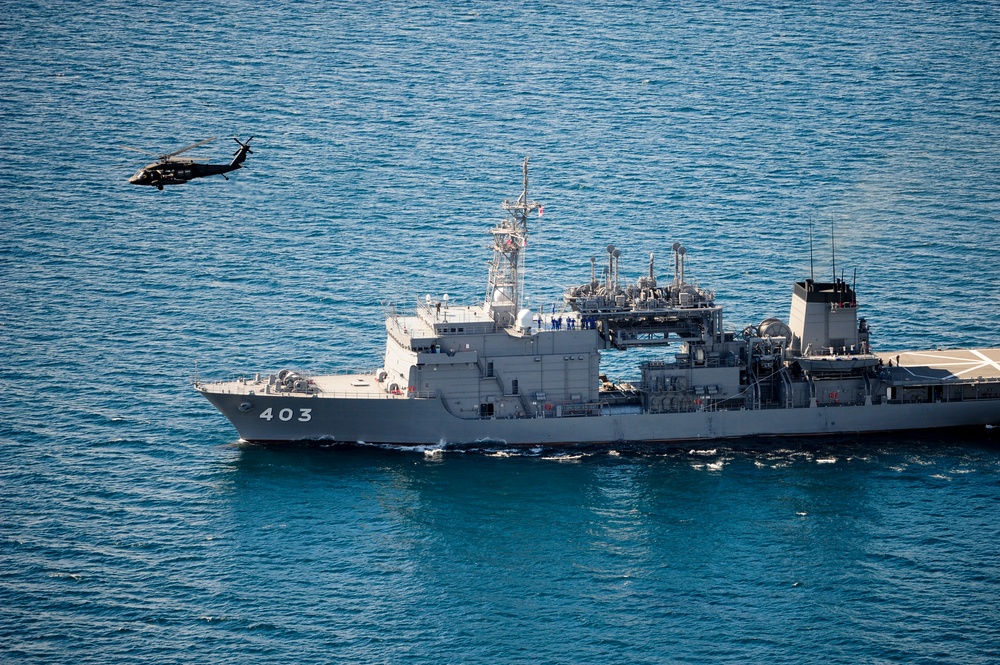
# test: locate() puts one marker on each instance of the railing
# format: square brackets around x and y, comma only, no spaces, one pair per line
[454,316]
[252,389]
[589,409]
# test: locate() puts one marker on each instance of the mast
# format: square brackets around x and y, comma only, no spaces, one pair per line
[510,237]
[833,252]
[812,273]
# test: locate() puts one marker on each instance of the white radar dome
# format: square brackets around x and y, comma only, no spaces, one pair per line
[524,319]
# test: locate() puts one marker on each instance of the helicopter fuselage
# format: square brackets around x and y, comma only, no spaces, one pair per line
[177,172]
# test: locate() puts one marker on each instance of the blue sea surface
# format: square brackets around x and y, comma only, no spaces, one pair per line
[135,527]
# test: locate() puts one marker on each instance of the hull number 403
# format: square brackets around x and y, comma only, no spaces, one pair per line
[286,414]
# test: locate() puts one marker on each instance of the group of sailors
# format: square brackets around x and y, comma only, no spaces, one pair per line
[571,323]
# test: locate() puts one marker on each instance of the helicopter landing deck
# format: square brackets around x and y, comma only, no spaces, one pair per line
[943,365]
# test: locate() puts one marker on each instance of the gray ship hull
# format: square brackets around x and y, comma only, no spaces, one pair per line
[425,422]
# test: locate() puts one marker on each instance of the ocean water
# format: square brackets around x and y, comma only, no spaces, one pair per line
[134,527]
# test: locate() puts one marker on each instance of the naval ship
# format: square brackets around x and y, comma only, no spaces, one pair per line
[497,373]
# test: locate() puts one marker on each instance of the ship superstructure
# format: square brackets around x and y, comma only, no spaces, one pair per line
[498,372]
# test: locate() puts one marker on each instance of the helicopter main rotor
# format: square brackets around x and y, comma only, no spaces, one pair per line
[170,154]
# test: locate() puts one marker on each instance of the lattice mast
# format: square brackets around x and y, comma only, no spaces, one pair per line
[510,237]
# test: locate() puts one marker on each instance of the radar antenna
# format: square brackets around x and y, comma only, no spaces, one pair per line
[510,237]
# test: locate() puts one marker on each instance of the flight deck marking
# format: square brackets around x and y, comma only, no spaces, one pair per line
[989,361]
[970,365]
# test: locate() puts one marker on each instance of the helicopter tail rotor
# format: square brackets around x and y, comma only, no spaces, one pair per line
[240,155]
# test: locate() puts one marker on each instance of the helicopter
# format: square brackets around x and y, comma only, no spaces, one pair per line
[170,171]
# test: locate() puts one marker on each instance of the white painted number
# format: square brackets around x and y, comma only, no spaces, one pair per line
[305,415]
